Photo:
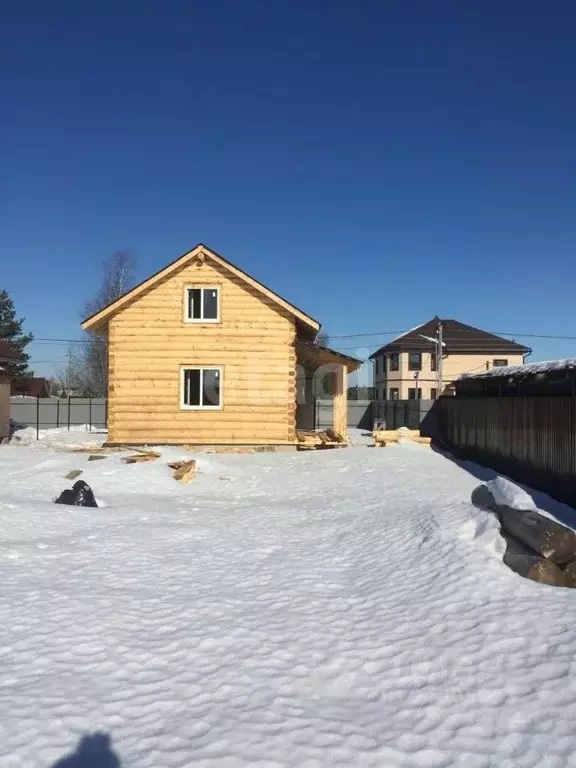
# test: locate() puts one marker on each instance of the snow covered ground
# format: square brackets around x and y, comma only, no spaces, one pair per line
[60,437]
[336,608]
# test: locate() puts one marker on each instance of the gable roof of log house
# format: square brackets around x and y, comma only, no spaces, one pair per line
[458,338]
[98,319]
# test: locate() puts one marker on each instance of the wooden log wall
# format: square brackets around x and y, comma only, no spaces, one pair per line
[341,402]
[254,344]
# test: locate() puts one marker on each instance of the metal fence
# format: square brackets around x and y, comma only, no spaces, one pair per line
[401,413]
[49,412]
[359,414]
[531,439]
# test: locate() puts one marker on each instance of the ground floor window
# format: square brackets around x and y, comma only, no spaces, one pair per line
[414,394]
[394,393]
[433,393]
[200,388]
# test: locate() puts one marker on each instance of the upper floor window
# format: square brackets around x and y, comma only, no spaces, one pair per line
[415,361]
[376,365]
[500,363]
[433,362]
[202,305]
[394,361]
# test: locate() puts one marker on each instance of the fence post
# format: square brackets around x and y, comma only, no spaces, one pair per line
[106,413]
[37,418]
[58,412]
[68,413]
[90,414]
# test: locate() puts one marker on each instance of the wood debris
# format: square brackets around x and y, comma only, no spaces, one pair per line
[73,474]
[96,457]
[139,458]
[184,470]
[310,440]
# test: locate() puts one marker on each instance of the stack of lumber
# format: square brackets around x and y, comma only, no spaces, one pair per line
[309,440]
[384,436]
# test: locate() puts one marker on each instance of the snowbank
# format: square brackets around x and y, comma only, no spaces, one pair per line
[78,436]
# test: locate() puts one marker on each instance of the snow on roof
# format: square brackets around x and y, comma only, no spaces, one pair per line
[404,333]
[429,338]
[568,363]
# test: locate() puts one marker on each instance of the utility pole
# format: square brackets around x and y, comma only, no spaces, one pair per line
[439,354]
[69,376]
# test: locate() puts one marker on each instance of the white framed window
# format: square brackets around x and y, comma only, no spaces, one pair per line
[200,388]
[202,304]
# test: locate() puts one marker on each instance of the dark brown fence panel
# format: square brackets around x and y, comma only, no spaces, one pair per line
[531,439]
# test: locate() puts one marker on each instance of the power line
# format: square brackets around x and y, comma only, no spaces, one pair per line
[61,341]
[458,330]
[359,335]
[37,362]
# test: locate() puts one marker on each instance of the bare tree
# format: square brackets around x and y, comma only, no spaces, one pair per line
[90,371]
[323,339]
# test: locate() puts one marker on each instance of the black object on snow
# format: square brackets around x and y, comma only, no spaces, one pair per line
[80,495]
[93,751]
[483,497]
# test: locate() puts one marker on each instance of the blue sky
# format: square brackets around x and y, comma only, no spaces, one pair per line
[376,163]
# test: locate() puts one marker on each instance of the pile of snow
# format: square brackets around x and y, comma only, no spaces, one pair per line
[331,608]
[360,436]
[78,436]
[529,369]
[507,493]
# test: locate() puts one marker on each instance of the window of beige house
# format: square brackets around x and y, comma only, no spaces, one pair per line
[394,361]
[433,393]
[394,393]
[500,362]
[415,361]
[414,394]
[433,362]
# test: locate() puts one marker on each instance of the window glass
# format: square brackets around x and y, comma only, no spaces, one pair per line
[210,303]
[191,387]
[195,304]
[211,387]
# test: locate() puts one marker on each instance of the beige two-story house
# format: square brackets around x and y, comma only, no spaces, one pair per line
[407,367]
